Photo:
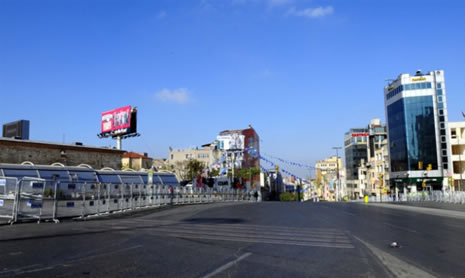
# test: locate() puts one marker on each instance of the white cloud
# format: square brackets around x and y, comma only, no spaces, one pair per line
[311,12]
[180,95]
[161,14]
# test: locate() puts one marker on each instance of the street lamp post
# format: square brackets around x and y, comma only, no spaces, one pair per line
[338,185]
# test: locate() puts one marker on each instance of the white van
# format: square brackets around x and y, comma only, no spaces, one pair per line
[222,182]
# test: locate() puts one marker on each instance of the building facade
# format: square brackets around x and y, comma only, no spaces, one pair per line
[326,176]
[416,113]
[355,149]
[136,161]
[44,153]
[457,141]
[377,166]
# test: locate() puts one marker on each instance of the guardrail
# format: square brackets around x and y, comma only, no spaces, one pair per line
[455,197]
[37,199]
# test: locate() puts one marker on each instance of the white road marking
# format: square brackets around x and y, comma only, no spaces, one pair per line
[253,240]
[226,266]
[252,235]
[399,268]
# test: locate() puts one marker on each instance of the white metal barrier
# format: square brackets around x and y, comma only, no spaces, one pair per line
[8,198]
[455,197]
[33,198]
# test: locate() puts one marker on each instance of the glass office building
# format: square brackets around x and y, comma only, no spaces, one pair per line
[416,114]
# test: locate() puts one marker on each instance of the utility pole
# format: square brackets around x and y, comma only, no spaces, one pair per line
[338,184]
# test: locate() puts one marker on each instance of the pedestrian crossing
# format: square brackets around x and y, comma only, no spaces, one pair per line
[309,237]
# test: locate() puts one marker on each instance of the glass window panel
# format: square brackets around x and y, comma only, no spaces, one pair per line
[439,85]
[83,176]
[169,180]
[439,92]
[131,179]
[412,133]
[49,174]
[20,173]
[109,178]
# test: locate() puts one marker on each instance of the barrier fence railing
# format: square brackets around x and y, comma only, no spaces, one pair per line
[38,199]
[455,197]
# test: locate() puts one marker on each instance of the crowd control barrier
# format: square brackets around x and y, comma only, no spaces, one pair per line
[34,199]
[455,197]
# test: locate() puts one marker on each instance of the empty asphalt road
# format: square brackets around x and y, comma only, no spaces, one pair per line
[268,239]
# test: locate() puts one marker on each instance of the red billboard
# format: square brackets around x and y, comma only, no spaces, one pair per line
[117,120]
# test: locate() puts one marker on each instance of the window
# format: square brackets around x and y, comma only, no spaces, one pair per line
[441,112]
[443,132]
[439,92]
[441,118]
[443,139]
[440,99]
[442,125]
[441,105]
[172,156]
[444,152]
[453,133]
[439,85]
[445,166]
[443,145]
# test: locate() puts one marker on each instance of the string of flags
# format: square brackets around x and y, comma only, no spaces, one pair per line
[281,169]
[292,163]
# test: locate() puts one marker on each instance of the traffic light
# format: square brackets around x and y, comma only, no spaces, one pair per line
[420,165]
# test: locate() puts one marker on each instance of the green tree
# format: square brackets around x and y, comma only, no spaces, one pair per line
[249,174]
[194,168]
[214,173]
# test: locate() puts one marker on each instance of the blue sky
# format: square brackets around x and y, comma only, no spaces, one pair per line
[301,72]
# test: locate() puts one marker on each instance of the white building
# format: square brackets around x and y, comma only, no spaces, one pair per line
[416,113]
[457,141]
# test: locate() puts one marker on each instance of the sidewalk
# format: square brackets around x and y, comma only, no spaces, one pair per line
[432,204]
[440,209]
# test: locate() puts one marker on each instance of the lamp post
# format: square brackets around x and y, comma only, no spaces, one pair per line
[338,185]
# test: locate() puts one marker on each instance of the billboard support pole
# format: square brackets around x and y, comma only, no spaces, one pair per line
[118,142]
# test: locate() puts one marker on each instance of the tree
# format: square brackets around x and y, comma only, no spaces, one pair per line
[180,168]
[188,169]
[214,173]
[194,168]
[249,174]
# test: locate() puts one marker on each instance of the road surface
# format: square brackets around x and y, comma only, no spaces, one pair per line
[269,239]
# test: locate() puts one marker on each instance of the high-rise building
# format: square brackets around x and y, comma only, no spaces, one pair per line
[355,149]
[416,114]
